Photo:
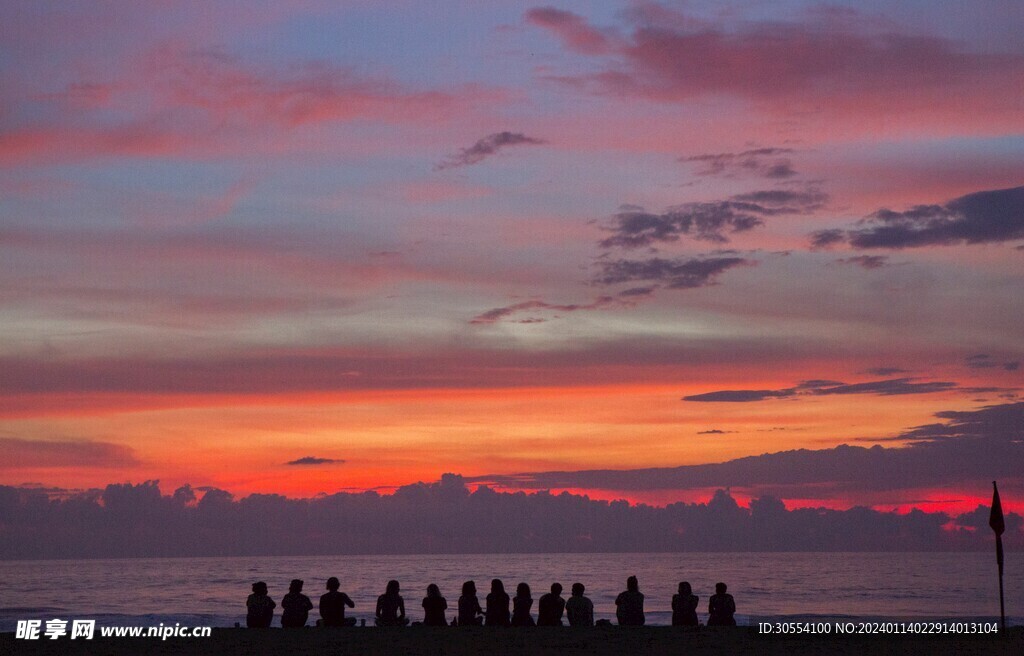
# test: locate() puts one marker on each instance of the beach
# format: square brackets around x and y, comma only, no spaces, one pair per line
[601,641]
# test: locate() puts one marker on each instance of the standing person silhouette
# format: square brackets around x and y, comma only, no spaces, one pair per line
[295,607]
[469,605]
[550,607]
[579,609]
[497,605]
[521,605]
[259,607]
[434,606]
[721,607]
[391,607]
[629,605]
[684,606]
[333,603]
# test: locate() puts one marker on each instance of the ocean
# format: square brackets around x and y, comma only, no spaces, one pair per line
[766,586]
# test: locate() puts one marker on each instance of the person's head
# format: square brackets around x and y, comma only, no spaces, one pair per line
[333,583]
[685,589]
[469,588]
[523,590]
[295,585]
[632,584]
[259,587]
[497,586]
[392,588]
[433,590]
[577,589]
[556,588]
[720,588]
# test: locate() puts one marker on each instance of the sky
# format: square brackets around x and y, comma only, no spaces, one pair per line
[632,250]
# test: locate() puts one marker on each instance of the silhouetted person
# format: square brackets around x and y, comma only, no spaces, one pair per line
[721,607]
[295,607]
[391,607]
[332,605]
[684,606]
[579,610]
[497,605]
[550,607]
[259,607]
[521,606]
[434,606]
[469,606]
[629,605]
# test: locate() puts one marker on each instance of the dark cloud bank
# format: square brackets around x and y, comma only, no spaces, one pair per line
[985,217]
[708,221]
[127,520]
[445,517]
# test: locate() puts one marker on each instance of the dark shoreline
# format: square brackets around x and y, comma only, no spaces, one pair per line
[447,641]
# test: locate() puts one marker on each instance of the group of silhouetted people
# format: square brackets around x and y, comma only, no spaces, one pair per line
[577,609]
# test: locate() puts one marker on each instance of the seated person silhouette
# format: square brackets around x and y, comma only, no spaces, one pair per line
[684,606]
[391,607]
[629,605]
[434,606]
[259,607]
[721,607]
[295,606]
[521,606]
[579,609]
[497,605]
[332,605]
[550,607]
[469,606]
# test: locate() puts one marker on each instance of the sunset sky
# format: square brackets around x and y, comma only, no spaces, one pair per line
[298,247]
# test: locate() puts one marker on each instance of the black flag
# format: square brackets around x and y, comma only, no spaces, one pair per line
[995,518]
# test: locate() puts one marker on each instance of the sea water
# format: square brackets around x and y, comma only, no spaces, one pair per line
[766,586]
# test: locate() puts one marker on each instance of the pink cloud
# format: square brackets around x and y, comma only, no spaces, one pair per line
[838,64]
[574,30]
[228,90]
[155,208]
[175,101]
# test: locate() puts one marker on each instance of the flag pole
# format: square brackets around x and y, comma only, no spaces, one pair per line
[995,520]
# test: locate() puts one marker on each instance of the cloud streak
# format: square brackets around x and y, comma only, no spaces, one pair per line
[498,314]
[967,446]
[760,162]
[17,453]
[314,460]
[487,147]
[890,387]
[671,273]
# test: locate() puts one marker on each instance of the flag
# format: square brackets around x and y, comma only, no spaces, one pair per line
[995,518]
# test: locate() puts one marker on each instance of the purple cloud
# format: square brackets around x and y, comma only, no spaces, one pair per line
[484,148]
